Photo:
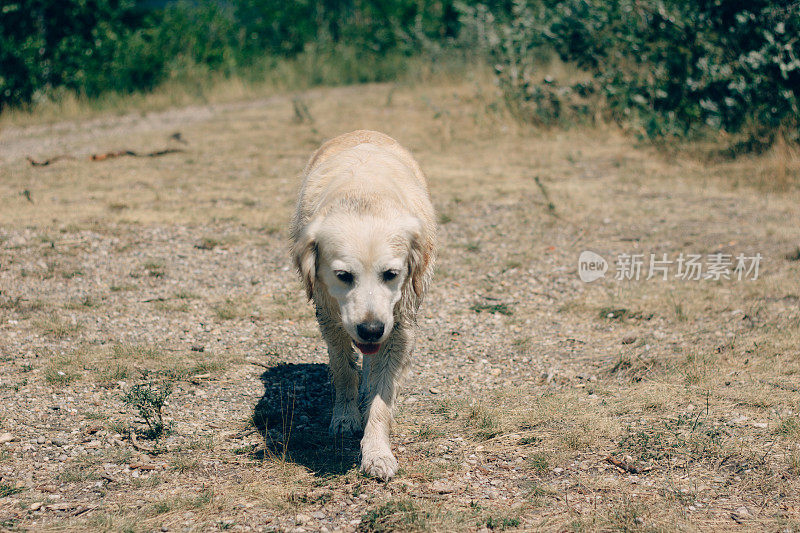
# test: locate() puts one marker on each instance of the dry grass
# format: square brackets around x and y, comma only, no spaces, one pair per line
[525,381]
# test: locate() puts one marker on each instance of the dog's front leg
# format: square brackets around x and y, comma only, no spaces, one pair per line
[346,419]
[382,374]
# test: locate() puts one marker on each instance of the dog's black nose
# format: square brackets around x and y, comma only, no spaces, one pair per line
[370,331]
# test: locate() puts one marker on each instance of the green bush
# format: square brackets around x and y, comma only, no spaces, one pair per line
[92,46]
[666,68]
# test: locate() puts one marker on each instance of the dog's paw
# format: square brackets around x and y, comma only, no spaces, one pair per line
[346,425]
[379,463]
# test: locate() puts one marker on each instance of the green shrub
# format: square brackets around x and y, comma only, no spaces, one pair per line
[664,68]
[88,47]
[149,400]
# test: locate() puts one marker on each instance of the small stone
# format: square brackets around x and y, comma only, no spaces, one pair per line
[434,390]
[319,515]
[35,506]
[7,437]
[302,519]
[741,514]
[629,340]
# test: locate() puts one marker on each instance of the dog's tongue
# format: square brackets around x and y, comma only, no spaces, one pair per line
[368,349]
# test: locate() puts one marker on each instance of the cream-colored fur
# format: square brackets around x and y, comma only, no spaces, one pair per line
[364,213]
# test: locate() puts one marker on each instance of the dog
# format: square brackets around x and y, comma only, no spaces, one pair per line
[363,242]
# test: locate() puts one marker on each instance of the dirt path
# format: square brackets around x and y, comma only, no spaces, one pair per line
[536,401]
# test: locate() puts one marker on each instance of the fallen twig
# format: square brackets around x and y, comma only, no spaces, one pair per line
[257,363]
[625,466]
[47,161]
[107,155]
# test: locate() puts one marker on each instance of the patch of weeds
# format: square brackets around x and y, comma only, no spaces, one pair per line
[789,427]
[211,366]
[135,351]
[503,309]
[472,247]
[615,313]
[633,367]
[201,500]
[697,367]
[394,515]
[427,432]
[114,373]
[154,269]
[183,463]
[794,462]
[21,305]
[171,307]
[208,243]
[122,288]
[578,437]
[538,494]
[77,474]
[445,218]
[484,420]
[499,523]
[149,399]
[230,309]
[7,489]
[61,371]
[162,507]
[57,327]
[185,295]
[69,274]
[528,439]
[689,437]
[627,517]
[119,426]
[539,462]
[445,408]
[245,450]
[523,344]
[87,302]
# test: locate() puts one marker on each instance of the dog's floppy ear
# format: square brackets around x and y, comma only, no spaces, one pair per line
[419,258]
[304,253]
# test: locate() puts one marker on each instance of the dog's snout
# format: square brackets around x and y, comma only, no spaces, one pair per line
[370,331]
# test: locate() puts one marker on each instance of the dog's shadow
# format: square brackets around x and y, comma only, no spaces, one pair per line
[293,417]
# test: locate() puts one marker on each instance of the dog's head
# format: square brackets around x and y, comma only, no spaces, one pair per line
[367,265]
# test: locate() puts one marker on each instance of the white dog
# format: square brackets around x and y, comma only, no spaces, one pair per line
[363,242]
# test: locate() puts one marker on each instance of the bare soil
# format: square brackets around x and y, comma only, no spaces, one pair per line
[535,402]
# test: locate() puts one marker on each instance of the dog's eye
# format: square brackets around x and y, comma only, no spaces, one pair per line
[389,275]
[344,276]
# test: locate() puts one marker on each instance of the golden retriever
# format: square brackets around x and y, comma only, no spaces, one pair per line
[363,242]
